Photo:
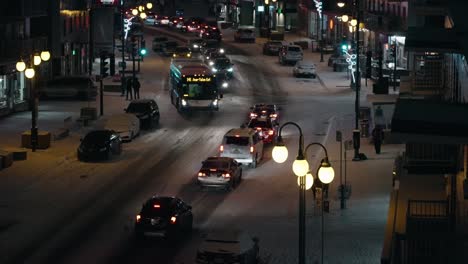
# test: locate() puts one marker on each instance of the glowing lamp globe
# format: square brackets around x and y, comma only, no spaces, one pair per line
[29,73]
[309,181]
[353,22]
[326,174]
[134,12]
[340,4]
[37,60]
[280,154]
[20,66]
[300,167]
[344,18]
[143,15]
[45,55]
[149,5]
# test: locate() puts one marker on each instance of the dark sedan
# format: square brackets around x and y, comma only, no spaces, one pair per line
[146,110]
[99,145]
[272,47]
[163,216]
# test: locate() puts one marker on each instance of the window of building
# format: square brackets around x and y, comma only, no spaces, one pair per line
[3,91]
[19,89]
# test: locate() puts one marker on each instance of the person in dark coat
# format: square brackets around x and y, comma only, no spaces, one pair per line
[377,137]
[128,87]
[136,88]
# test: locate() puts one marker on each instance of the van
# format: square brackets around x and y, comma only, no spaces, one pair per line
[79,87]
[245,145]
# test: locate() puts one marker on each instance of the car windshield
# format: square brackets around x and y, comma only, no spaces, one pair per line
[296,49]
[222,62]
[182,49]
[199,90]
[163,206]
[241,141]
[215,164]
[259,123]
[138,108]
[96,137]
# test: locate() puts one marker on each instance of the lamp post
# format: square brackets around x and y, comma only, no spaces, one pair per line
[356,132]
[29,72]
[305,180]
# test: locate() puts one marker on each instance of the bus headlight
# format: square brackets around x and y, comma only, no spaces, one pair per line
[215,102]
[230,69]
[184,103]
[225,85]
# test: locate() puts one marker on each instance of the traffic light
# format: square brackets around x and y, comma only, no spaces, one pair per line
[133,46]
[104,68]
[279,10]
[143,51]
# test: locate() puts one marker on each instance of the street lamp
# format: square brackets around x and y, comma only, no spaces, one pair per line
[305,179]
[134,12]
[30,73]
[340,4]
[344,18]
[149,5]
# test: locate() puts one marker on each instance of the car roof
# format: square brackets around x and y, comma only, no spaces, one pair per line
[242,132]
[216,158]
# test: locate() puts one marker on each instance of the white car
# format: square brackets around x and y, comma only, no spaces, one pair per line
[126,125]
[305,68]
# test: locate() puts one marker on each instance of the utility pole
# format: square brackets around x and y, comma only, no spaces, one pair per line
[122,40]
[394,65]
[356,132]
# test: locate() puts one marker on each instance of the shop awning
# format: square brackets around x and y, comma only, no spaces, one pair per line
[432,39]
[430,122]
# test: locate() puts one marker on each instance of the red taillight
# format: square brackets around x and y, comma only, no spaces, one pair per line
[157,206]
[271,132]
[253,115]
[273,115]
[138,217]
[226,175]
[173,220]
[221,148]
[251,149]
[258,128]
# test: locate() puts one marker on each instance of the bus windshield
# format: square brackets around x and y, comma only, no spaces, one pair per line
[199,90]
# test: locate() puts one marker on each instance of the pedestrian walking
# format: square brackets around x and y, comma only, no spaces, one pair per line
[128,87]
[377,137]
[136,88]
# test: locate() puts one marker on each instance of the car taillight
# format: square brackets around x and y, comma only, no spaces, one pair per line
[221,148]
[253,115]
[201,174]
[258,128]
[226,175]
[251,149]
[173,219]
[271,132]
[273,115]
[138,218]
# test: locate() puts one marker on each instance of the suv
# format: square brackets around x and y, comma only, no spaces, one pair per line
[290,54]
[146,110]
[245,145]
[245,34]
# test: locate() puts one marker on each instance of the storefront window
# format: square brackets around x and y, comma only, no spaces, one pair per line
[19,88]
[3,91]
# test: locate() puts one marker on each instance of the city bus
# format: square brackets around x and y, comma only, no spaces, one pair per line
[193,86]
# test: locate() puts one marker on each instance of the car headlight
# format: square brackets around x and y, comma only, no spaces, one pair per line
[225,85]
[211,63]
[230,69]
[184,103]
[195,46]
[214,69]
[215,102]
[221,50]
[189,55]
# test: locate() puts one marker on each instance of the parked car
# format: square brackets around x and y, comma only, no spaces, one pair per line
[195,44]
[245,145]
[182,51]
[266,128]
[99,145]
[146,110]
[230,247]
[220,172]
[126,125]
[245,34]
[163,216]
[158,42]
[168,48]
[290,54]
[272,47]
[77,87]
[305,68]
